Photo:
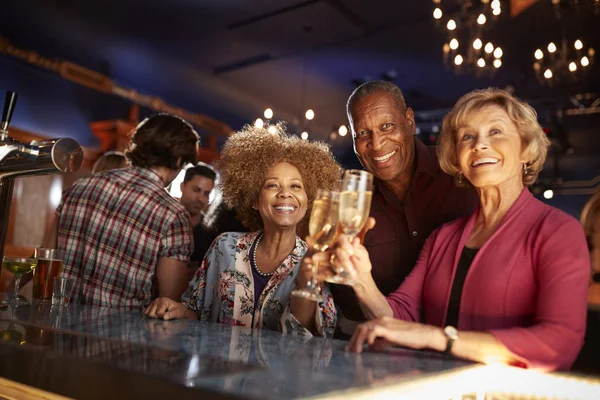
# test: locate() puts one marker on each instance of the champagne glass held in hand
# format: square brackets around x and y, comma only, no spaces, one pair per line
[355,205]
[19,267]
[322,228]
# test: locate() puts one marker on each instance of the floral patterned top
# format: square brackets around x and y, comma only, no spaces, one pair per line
[223,291]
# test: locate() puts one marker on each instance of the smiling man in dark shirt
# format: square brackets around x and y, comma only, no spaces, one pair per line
[412,196]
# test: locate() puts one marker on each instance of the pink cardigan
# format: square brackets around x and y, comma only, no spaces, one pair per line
[527,285]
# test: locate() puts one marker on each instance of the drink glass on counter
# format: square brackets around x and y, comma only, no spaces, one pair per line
[49,266]
[19,267]
[63,288]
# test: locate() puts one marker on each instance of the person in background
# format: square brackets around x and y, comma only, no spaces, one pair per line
[124,237]
[110,160]
[246,279]
[507,284]
[217,220]
[590,219]
[412,196]
[196,188]
[588,360]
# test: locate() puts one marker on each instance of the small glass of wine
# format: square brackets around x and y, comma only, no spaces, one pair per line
[355,206]
[19,267]
[322,229]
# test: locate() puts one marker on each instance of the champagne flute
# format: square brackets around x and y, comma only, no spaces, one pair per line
[355,205]
[322,229]
[19,267]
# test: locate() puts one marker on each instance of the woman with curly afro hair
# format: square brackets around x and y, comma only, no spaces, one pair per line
[246,279]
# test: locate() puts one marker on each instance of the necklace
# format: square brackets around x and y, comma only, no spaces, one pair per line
[254,264]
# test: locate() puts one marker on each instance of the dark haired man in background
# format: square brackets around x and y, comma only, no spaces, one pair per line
[125,239]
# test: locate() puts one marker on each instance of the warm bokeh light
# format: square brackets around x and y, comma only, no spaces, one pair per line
[458,59]
[304,135]
[451,25]
[498,52]
[437,13]
[572,67]
[268,113]
[495,4]
[310,114]
[496,11]
[481,63]
[585,61]
[272,129]
[497,63]
[446,48]
[551,47]
[259,123]
[343,131]
[548,194]
[454,44]
[477,44]
[489,47]
[481,19]
[539,54]
[547,74]
[578,44]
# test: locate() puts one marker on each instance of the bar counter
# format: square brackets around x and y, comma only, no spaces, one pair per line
[86,352]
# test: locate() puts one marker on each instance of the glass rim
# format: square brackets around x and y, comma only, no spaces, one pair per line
[12,258]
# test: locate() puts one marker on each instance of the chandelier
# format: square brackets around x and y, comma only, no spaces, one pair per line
[568,62]
[465,25]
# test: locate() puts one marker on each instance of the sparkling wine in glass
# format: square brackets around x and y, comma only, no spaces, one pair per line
[19,267]
[322,229]
[355,206]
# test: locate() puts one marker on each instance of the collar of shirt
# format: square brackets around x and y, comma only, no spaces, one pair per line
[426,164]
[151,175]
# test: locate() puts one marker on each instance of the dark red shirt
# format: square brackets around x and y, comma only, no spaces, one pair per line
[396,241]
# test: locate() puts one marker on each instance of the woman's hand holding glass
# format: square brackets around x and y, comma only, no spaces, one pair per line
[352,259]
[343,255]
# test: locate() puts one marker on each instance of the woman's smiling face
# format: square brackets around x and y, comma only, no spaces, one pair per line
[282,201]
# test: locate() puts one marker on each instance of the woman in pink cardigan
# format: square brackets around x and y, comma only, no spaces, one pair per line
[507,284]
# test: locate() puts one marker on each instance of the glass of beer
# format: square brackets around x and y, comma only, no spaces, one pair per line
[354,209]
[19,267]
[49,266]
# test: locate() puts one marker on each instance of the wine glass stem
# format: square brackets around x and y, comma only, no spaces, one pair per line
[312,283]
[17,285]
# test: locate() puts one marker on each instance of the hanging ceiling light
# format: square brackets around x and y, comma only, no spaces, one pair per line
[569,61]
[464,49]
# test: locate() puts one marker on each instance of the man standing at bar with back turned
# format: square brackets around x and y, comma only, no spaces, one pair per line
[412,196]
[125,239]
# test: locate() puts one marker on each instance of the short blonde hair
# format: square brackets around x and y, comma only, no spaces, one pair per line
[533,138]
[248,154]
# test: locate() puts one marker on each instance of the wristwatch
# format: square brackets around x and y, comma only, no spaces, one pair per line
[452,335]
